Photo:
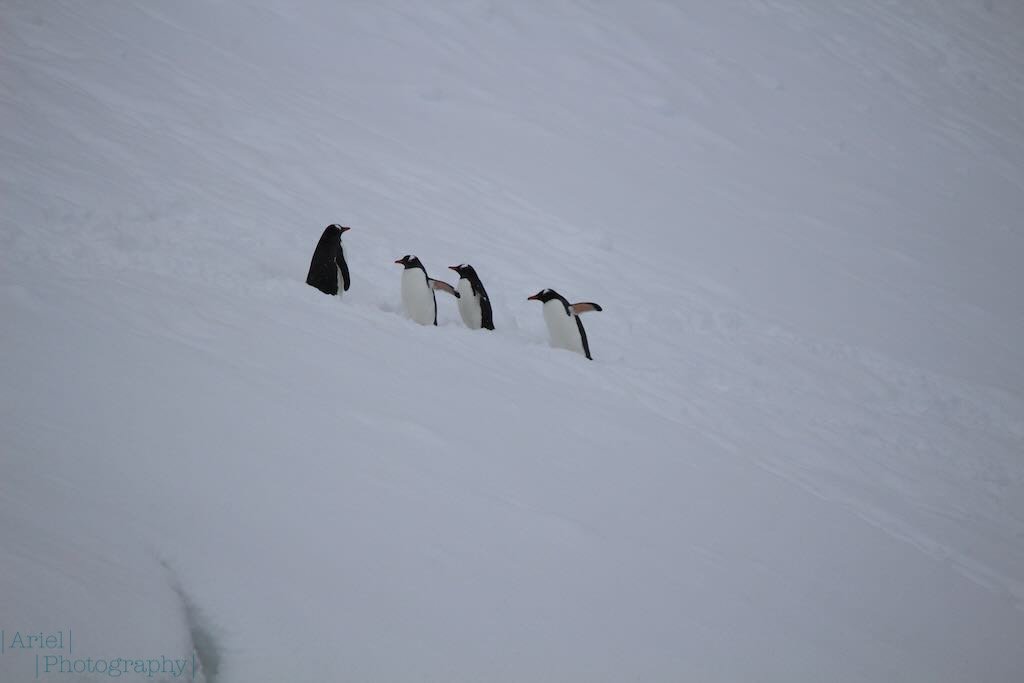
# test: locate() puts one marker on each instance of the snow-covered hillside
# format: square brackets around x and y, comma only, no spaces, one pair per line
[797,456]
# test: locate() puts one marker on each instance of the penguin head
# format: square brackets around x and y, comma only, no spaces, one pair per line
[340,229]
[544,296]
[465,270]
[410,261]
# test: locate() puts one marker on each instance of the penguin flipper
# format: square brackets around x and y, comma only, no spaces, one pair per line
[583,307]
[443,286]
[343,266]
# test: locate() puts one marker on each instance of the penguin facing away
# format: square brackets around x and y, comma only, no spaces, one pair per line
[328,270]
[474,304]
[418,291]
[563,320]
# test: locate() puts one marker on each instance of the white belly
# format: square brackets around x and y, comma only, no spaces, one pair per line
[562,327]
[469,305]
[418,297]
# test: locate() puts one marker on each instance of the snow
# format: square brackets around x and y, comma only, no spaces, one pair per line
[795,457]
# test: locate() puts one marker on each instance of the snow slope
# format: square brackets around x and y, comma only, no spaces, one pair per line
[796,456]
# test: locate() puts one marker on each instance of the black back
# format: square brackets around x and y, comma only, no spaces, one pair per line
[486,316]
[328,258]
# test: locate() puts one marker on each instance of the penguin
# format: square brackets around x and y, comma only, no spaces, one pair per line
[474,304]
[328,271]
[418,291]
[563,321]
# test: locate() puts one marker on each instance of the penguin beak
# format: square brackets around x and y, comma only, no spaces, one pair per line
[535,297]
[400,262]
[344,228]
[455,268]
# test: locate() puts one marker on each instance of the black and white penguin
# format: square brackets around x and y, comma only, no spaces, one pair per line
[563,321]
[418,291]
[474,304]
[328,271]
